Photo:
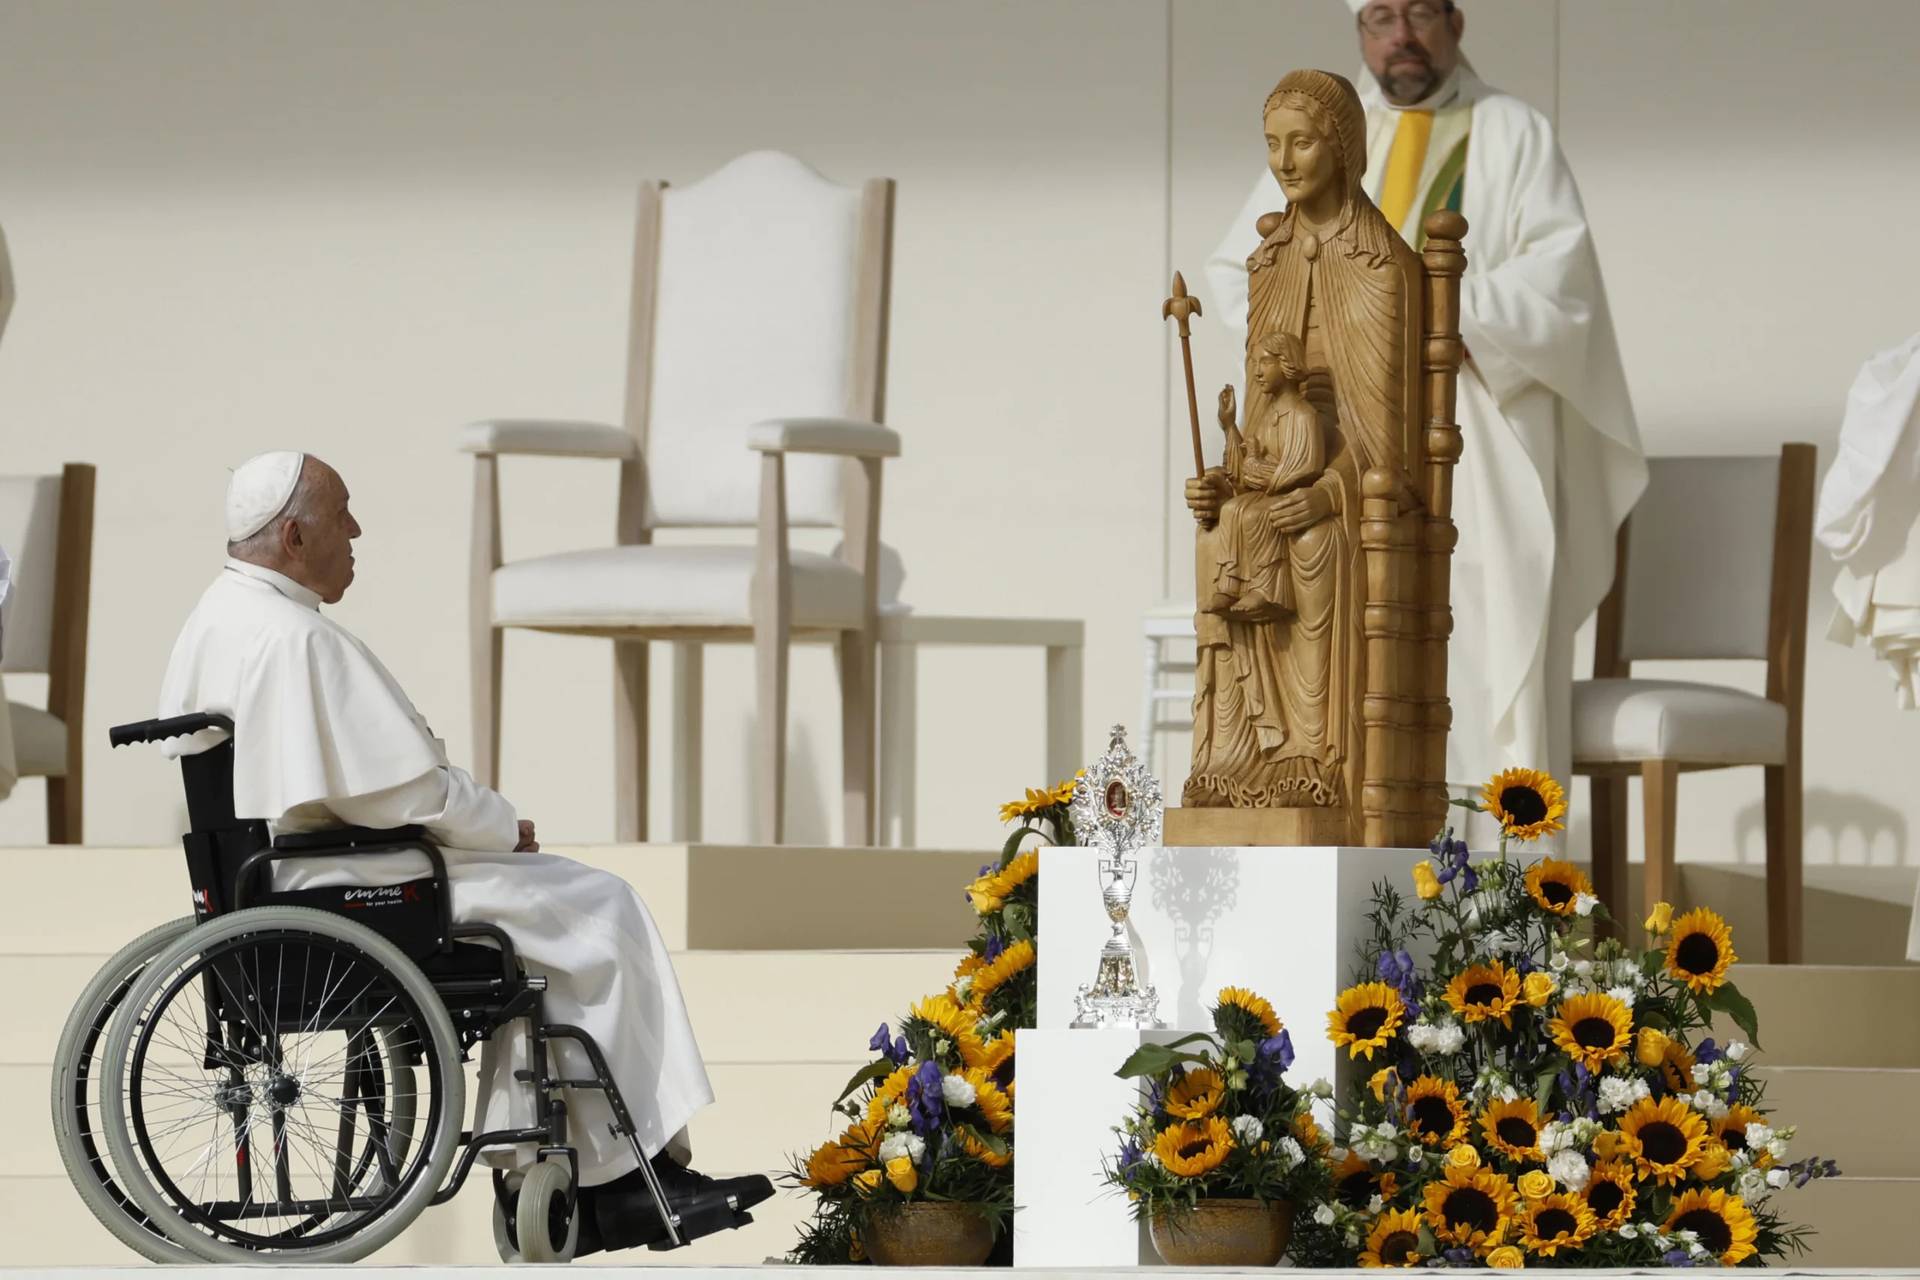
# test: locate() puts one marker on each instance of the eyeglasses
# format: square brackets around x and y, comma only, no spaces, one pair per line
[1421,16]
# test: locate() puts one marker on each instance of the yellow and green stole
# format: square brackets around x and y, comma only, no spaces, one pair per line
[1419,165]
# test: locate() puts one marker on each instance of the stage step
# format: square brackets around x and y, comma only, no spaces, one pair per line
[1831,1015]
[1861,1222]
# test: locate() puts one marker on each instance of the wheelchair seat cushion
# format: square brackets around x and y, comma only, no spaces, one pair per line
[347,839]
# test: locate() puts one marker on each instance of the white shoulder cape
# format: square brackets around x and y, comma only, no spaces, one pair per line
[316,716]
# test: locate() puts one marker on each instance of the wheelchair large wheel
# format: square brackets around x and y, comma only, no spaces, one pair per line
[245,1064]
[77,1128]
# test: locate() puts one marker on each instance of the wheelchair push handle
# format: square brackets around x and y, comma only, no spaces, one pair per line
[122,735]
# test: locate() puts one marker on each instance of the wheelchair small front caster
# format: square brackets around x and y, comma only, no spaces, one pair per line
[542,1230]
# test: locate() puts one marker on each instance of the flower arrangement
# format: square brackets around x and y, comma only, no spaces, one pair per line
[1539,1098]
[1217,1120]
[930,1119]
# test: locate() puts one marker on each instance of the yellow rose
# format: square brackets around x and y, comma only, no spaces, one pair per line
[1424,882]
[1463,1157]
[1650,1050]
[1538,988]
[1662,918]
[1536,1184]
[1605,1143]
[1507,1258]
[1378,1083]
[1712,1163]
[867,1183]
[902,1174]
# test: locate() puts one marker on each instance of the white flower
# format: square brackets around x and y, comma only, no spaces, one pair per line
[957,1091]
[1777,1149]
[1584,903]
[1376,1204]
[1509,1094]
[1247,1130]
[1449,1038]
[1751,1185]
[1758,1135]
[1705,1103]
[1375,1143]
[1624,995]
[1555,1137]
[962,987]
[1583,968]
[1323,1214]
[1686,1236]
[1627,974]
[1291,1150]
[1617,1093]
[1569,1169]
[1778,1178]
[1558,961]
[1420,1036]
[1320,1088]
[897,1117]
[1353,1237]
[1627,1231]
[910,1145]
[1586,1130]
[1737,1051]
[1499,940]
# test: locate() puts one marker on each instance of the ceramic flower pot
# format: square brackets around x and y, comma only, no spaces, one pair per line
[1224,1233]
[933,1233]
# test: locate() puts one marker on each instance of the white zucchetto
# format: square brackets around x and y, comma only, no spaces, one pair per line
[260,490]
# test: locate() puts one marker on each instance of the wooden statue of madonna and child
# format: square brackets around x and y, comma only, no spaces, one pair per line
[1324,543]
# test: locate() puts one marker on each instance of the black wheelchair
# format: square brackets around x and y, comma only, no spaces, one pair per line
[278,1077]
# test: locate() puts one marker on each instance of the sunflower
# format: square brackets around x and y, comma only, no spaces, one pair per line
[832,1164]
[1482,992]
[1196,1147]
[1527,803]
[1016,959]
[1721,1220]
[960,1025]
[1555,884]
[1701,950]
[991,1101]
[1730,1131]
[1555,1222]
[1676,1068]
[990,892]
[1256,1006]
[1196,1094]
[1591,1028]
[1610,1194]
[1662,1138]
[1038,801]
[1472,1208]
[1435,1113]
[982,1152]
[1394,1240]
[1356,1182]
[994,1056]
[1513,1128]
[892,1089]
[1365,1018]
[1307,1132]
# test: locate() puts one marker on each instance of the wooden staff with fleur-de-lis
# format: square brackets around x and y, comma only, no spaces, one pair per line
[1178,308]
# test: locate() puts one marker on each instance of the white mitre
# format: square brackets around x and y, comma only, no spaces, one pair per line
[260,489]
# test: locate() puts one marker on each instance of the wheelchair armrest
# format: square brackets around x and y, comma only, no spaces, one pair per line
[349,839]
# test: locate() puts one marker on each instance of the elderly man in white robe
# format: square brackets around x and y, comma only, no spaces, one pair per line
[324,736]
[1552,461]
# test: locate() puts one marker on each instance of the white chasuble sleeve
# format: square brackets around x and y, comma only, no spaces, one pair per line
[457,812]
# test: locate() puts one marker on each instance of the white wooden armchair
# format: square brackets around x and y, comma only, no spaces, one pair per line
[1713,563]
[758,327]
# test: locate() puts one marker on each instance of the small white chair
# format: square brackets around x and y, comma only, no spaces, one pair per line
[1712,564]
[1163,625]
[763,259]
[46,525]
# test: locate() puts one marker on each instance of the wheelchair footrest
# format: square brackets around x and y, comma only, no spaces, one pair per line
[703,1222]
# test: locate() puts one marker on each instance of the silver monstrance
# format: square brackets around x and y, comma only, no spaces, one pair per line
[1115,809]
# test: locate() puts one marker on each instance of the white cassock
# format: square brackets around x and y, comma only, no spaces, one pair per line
[324,736]
[1552,461]
[1869,519]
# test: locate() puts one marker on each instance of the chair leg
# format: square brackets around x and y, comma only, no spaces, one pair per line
[899,747]
[855,650]
[1659,785]
[63,811]
[487,657]
[1609,800]
[630,741]
[1784,833]
[689,717]
[1065,687]
[770,670]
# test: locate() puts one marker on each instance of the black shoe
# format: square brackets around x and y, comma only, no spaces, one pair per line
[624,1215]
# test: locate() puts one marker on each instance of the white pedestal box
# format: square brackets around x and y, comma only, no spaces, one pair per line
[1283,922]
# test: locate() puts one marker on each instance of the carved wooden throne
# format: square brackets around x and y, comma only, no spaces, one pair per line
[1394,765]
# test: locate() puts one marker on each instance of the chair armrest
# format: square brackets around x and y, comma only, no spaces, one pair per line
[348,839]
[824,435]
[536,436]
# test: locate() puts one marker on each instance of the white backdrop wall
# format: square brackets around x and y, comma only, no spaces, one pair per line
[350,226]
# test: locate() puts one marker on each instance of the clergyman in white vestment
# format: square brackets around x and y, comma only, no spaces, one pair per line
[324,736]
[1552,460]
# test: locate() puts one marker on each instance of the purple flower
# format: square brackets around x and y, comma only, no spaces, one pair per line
[1130,1157]
[1707,1051]
[1469,879]
[1459,1257]
[895,1050]
[994,946]
[926,1106]
[1676,1258]
[1278,1050]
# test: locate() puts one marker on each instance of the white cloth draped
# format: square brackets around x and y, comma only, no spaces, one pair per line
[324,736]
[1552,459]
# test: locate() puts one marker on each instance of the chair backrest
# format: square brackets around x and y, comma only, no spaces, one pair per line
[1713,562]
[46,525]
[759,292]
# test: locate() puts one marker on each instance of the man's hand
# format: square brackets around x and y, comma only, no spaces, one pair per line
[1300,510]
[527,842]
[1206,493]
